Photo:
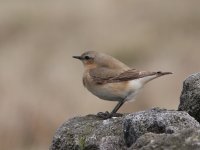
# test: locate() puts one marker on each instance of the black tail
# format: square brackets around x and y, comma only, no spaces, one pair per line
[160,73]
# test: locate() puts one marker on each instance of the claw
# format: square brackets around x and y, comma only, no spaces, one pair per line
[103,115]
[107,115]
[117,115]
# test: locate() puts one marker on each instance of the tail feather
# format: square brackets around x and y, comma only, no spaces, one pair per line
[160,73]
[156,75]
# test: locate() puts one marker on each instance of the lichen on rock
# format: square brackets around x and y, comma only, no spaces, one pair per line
[90,132]
[87,133]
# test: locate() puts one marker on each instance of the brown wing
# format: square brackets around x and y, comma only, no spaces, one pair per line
[102,75]
[131,75]
[105,75]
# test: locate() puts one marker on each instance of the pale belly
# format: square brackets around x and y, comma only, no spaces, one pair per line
[116,91]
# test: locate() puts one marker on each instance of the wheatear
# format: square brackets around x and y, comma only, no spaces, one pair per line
[110,79]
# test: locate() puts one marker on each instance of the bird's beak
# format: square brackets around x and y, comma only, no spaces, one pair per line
[77,57]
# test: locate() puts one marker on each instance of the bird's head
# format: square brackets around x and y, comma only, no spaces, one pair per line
[93,59]
[88,59]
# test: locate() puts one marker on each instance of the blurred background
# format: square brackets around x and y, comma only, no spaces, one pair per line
[40,83]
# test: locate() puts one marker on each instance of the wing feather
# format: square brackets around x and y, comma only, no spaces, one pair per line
[131,75]
[104,75]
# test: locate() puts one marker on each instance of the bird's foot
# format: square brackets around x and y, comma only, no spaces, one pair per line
[104,115]
[117,115]
[108,115]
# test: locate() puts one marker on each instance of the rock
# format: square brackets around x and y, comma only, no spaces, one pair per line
[156,121]
[112,143]
[190,97]
[188,139]
[90,132]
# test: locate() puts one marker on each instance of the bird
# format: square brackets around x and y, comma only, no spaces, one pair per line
[109,79]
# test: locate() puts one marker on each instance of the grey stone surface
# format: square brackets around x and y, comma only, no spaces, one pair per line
[156,121]
[112,143]
[190,96]
[90,132]
[188,139]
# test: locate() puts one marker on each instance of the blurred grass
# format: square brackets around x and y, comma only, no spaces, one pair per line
[40,83]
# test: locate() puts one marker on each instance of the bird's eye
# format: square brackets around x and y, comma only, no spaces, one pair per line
[87,57]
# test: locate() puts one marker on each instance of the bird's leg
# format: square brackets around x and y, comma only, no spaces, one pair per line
[116,108]
[107,115]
